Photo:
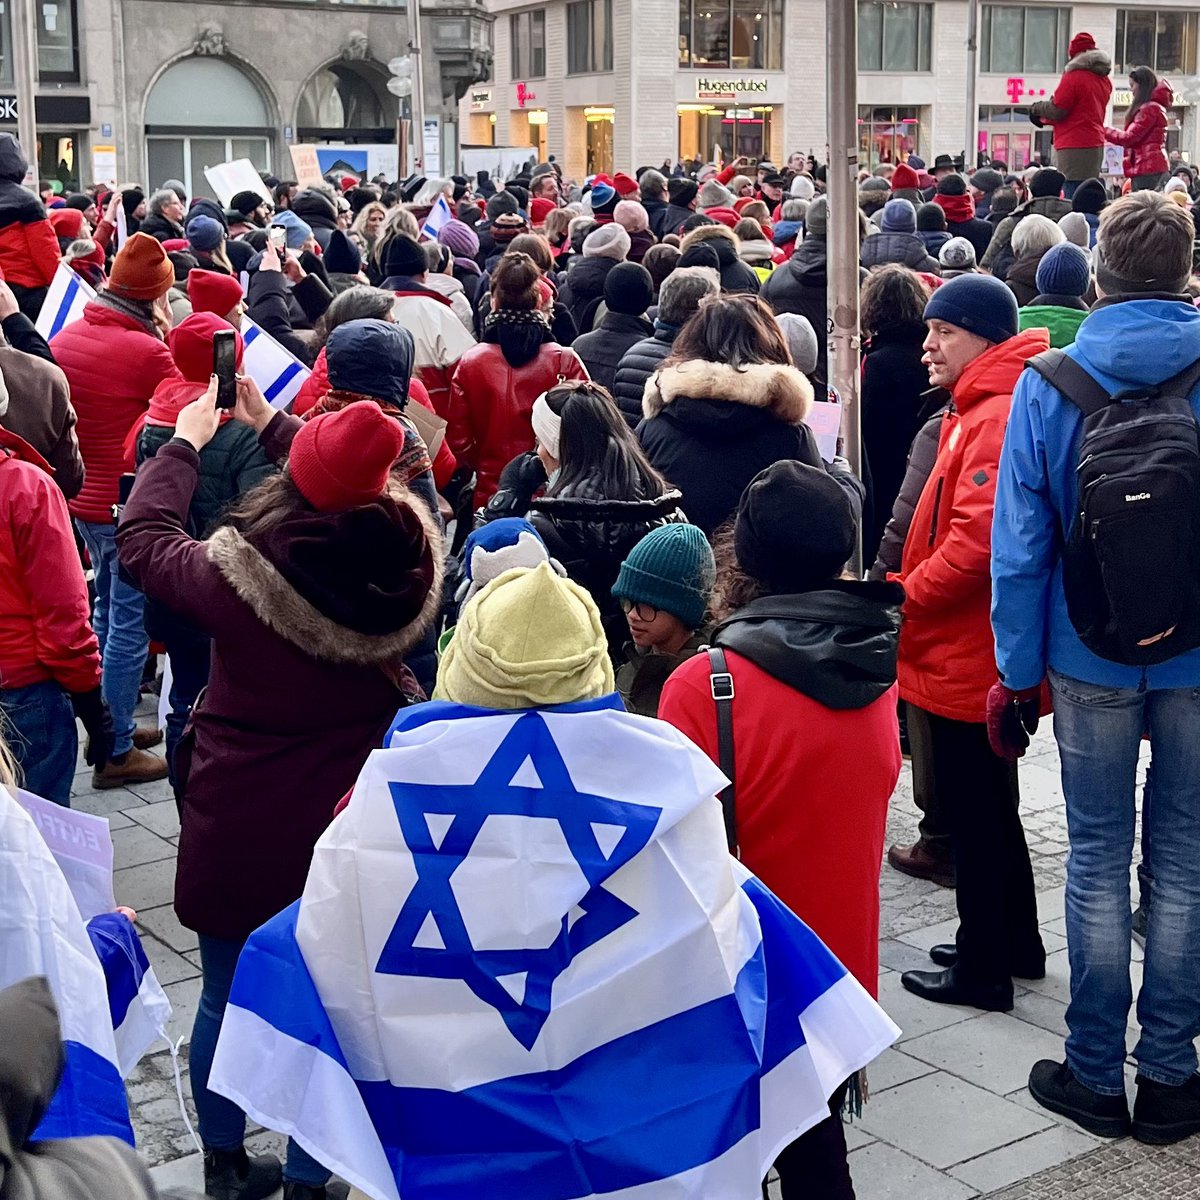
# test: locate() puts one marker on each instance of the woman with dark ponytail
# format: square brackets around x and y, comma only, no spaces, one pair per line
[497,381]
[1145,134]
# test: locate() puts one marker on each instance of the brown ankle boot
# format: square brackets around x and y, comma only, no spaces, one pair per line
[134,766]
[147,736]
[921,862]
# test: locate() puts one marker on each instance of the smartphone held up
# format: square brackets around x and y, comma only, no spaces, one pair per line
[225,367]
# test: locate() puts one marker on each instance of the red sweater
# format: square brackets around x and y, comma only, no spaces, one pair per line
[813,785]
[45,632]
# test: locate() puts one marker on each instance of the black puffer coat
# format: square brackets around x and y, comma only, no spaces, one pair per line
[591,535]
[907,249]
[637,364]
[799,286]
[603,348]
[710,428]
[583,289]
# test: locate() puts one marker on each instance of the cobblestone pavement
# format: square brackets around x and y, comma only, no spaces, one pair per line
[949,1115]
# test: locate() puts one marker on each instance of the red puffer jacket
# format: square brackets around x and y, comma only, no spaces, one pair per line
[44,628]
[1145,137]
[113,366]
[491,402]
[1081,98]
[28,248]
[947,653]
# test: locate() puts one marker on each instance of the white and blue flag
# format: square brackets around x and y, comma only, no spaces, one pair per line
[65,298]
[439,216]
[525,967]
[42,933]
[276,370]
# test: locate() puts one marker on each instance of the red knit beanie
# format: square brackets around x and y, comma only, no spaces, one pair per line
[141,270]
[904,177]
[1081,42]
[626,185]
[211,292]
[191,343]
[67,222]
[539,210]
[342,459]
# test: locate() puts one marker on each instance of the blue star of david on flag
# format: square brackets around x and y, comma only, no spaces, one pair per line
[525,778]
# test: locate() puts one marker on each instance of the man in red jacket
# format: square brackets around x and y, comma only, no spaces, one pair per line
[1076,110]
[49,658]
[114,357]
[947,654]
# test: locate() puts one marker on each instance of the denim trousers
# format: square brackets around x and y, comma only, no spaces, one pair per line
[119,622]
[1099,730]
[39,723]
[222,1123]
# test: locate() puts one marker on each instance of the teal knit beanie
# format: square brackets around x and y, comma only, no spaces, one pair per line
[670,568]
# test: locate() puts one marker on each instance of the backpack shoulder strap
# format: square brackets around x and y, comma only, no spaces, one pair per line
[1184,383]
[1062,372]
[721,683]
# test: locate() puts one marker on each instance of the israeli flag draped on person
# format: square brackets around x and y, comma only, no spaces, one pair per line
[525,967]
[439,216]
[42,933]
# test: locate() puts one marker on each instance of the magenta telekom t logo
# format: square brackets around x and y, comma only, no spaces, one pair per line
[1016,89]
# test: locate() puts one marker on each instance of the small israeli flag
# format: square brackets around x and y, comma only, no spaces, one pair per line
[275,369]
[64,302]
[42,933]
[439,216]
[525,967]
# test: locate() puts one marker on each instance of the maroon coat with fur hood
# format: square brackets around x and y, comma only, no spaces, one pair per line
[310,622]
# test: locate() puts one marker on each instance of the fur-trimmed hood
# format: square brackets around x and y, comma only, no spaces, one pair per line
[362,593]
[709,233]
[781,390]
[1095,61]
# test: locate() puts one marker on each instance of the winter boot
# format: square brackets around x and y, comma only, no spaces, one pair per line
[233,1175]
[305,1191]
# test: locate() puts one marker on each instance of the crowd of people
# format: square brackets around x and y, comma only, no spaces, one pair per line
[607,383]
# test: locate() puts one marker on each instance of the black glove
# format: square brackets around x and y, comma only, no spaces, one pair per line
[97,720]
[524,476]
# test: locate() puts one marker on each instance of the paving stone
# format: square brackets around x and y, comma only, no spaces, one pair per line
[892,1068]
[1043,1011]
[103,804]
[882,1172]
[169,966]
[931,935]
[1010,1163]
[994,1051]
[902,956]
[857,1137]
[155,792]
[184,997]
[134,846]
[146,886]
[943,1120]
[164,925]
[161,818]
[1057,983]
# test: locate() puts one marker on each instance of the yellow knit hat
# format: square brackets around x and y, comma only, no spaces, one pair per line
[530,639]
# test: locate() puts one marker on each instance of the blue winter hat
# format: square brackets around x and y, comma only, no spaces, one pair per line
[899,216]
[497,547]
[602,195]
[670,568]
[204,233]
[298,231]
[980,304]
[1065,270]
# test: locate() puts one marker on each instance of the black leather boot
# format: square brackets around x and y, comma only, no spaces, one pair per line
[234,1175]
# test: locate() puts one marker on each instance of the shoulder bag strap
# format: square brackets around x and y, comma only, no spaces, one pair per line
[1061,371]
[721,683]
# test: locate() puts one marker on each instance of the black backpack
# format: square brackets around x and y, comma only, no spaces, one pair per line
[1131,559]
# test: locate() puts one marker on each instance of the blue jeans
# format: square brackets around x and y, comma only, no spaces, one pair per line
[39,723]
[119,622]
[222,1123]
[1099,730]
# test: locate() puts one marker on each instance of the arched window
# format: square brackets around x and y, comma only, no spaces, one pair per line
[203,111]
[346,101]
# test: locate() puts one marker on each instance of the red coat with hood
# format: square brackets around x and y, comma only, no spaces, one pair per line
[947,652]
[113,365]
[1082,98]
[1145,137]
[28,245]
[45,632]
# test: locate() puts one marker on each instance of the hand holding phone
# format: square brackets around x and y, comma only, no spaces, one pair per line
[278,235]
[225,367]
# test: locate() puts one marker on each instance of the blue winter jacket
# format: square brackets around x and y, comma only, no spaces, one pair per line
[1124,344]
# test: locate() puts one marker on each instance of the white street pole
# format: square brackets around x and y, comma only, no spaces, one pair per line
[842,113]
[418,85]
[24,29]
[971,154]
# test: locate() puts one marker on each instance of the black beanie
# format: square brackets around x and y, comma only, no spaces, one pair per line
[681,192]
[952,185]
[246,202]
[700,254]
[1047,182]
[342,256]
[1090,197]
[80,201]
[501,202]
[404,257]
[931,218]
[795,527]
[359,197]
[628,289]
[131,197]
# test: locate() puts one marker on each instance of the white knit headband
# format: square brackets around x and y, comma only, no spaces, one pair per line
[546,425]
